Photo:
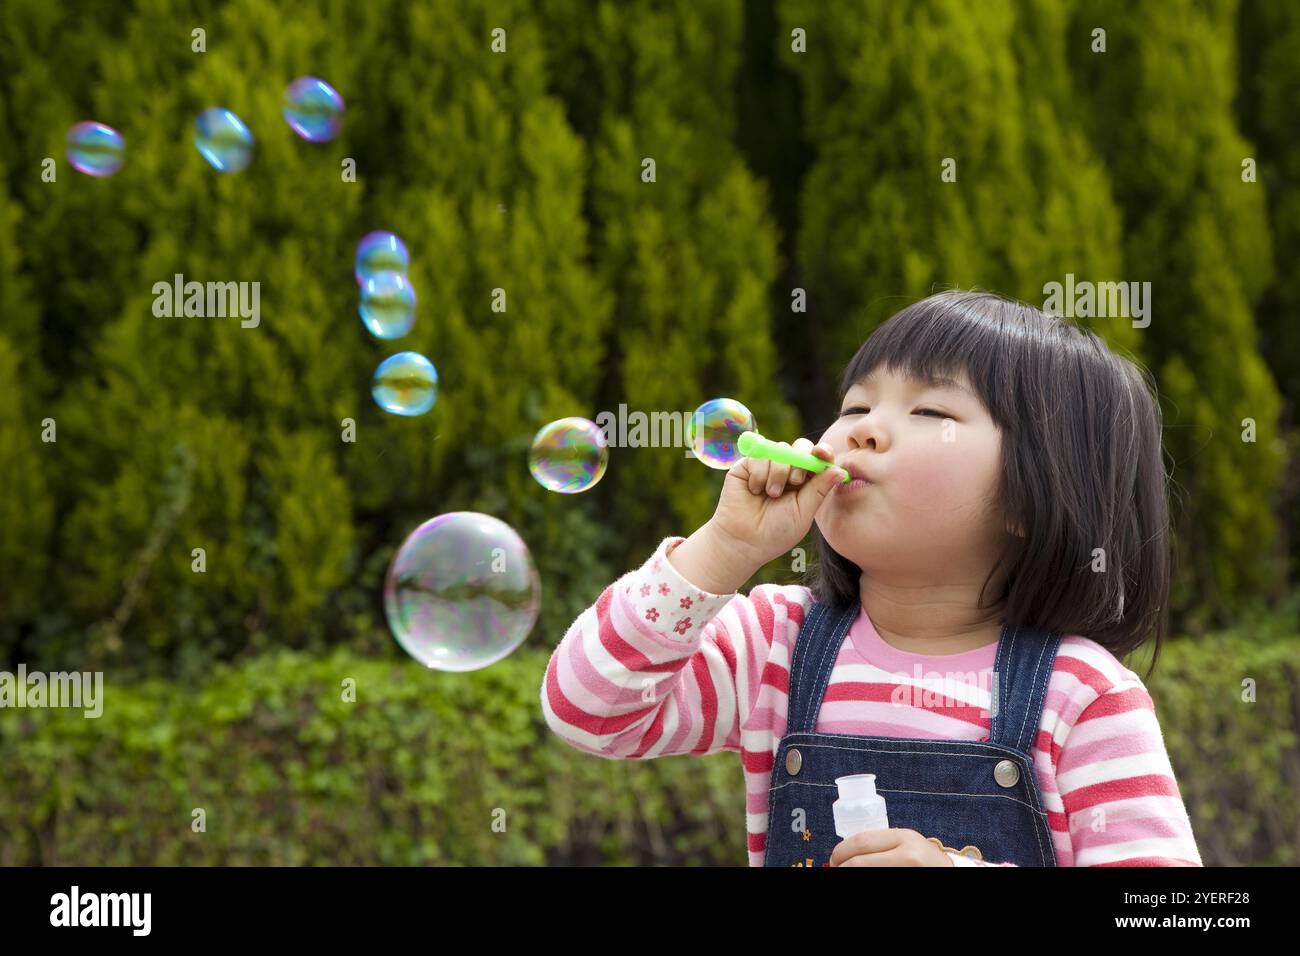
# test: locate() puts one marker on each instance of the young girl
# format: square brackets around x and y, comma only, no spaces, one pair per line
[1003,543]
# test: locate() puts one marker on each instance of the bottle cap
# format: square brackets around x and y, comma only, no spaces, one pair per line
[857,788]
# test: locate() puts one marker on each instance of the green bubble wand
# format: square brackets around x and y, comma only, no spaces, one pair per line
[754,445]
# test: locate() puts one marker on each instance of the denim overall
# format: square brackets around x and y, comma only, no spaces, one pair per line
[979,798]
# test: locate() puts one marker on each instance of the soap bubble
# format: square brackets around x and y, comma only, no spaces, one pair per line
[387,305]
[223,140]
[405,384]
[713,429]
[313,109]
[95,149]
[462,592]
[380,252]
[568,455]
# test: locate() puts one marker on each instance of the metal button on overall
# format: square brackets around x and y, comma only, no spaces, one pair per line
[793,761]
[1006,773]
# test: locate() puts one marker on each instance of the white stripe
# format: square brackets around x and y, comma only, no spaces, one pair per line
[1151,846]
[1118,768]
[1097,657]
[1140,722]
[1124,811]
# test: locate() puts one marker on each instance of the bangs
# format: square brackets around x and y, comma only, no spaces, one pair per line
[946,335]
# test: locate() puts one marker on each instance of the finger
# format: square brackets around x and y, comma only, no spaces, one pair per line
[867,842]
[881,847]
[823,451]
[850,846]
[814,493]
[758,468]
[777,476]
[883,858]
[798,475]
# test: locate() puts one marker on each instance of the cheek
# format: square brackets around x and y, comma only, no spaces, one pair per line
[929,474]
[942,476]
[835,436]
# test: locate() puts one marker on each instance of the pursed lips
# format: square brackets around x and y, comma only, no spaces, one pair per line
[854,471]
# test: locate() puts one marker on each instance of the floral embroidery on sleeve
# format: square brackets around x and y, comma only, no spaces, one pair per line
[662,597]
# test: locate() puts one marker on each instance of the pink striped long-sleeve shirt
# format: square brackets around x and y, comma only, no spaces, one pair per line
[659,667]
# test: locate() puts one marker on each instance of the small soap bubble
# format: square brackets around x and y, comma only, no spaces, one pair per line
[380,252]
[405,384]
[313,109]
[223,140]
[568,455]
[387,305]
[462,592]
[95,149]
[714,428]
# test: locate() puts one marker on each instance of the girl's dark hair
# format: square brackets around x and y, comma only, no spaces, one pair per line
[1082,464]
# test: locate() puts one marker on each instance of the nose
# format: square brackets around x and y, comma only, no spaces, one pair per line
[866,433]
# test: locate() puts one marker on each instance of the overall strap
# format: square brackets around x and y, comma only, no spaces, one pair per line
[1021,672]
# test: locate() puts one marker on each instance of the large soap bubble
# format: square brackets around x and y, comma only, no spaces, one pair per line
[462,592]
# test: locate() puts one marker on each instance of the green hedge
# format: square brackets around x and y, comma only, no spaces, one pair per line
[289,773]
[1237,762]
[412,772]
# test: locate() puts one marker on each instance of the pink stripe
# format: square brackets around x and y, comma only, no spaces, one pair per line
[707,695]
[598,689]
[1125,831]
[564,709]
[684,705]
[767,718]
[1150,861]
[884,694]
[1109,748]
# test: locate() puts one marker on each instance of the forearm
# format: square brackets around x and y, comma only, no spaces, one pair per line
[712,562]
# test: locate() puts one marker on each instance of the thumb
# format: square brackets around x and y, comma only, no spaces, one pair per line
[814,492]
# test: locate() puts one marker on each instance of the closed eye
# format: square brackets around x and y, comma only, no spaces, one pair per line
[859,410]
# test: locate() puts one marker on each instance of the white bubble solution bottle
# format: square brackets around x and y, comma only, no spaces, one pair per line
[859,806]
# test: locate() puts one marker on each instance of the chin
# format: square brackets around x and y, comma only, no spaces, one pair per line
[836,540]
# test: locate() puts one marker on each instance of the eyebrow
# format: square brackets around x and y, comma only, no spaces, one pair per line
[936,381]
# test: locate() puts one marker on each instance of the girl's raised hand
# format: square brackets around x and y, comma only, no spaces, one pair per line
[766,508]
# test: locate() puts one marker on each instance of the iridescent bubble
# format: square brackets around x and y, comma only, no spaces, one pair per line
[313,109]
[405,384]
[380,252]
[387,305]
[462,592]
[713,429]
[223,140]
[568,455]
[95,149]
